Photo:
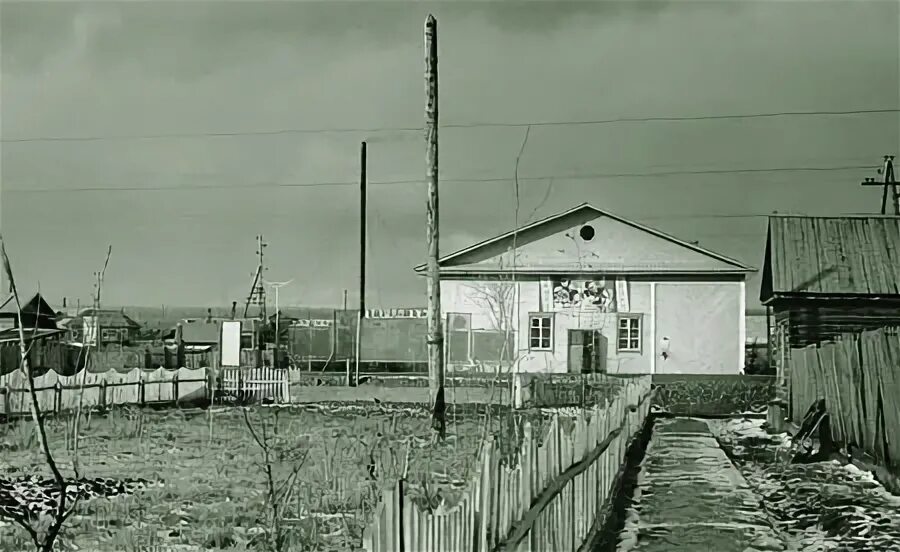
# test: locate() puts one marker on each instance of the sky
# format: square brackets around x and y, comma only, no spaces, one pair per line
[181,98]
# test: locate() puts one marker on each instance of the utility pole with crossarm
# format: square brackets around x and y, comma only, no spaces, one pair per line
[889,183]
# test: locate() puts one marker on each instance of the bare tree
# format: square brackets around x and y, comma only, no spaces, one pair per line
[44,539]
[277,454]
[498,299]
[78,410]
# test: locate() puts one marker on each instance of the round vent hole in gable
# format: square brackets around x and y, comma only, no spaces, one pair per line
[586,233]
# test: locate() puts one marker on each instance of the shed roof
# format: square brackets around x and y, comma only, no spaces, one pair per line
[843,257]
[195,332]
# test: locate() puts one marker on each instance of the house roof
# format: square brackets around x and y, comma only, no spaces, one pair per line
[35,305]
[810,257]
[712,262]
[110,318]
[11,335]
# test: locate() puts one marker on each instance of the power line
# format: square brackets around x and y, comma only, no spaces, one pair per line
[372,130]
[558,177]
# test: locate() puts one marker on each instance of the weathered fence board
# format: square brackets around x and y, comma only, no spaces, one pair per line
[257,383]
[548,499]
[857,375]
[57,393]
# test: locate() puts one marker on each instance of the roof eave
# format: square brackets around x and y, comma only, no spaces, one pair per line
[818,296]
[450,271]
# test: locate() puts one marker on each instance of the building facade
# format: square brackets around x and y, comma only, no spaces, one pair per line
[586,290]
[115,327]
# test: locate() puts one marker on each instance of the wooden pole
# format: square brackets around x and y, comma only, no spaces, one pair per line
[889,184]
[435,339]
[97,338]
[362,226]
[362,256]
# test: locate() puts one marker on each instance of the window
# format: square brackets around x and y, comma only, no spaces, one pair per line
[629,336]
[540,336]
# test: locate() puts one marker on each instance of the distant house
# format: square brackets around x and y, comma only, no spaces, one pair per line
[202,333]
[115,326]
[586,290]
[38,320]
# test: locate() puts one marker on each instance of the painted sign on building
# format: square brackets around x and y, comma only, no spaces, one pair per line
[89,330]
[622,304]
[314,323]
[593,294]
[396,313]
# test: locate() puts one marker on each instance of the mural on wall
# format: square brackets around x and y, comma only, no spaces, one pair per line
[593,294]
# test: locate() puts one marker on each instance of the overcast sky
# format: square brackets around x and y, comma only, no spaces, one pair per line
[117,69]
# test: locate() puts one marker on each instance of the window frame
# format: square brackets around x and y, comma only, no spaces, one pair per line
[538,315]
[632,318]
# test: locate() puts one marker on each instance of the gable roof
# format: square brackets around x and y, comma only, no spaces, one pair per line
[848,256]
[37,305]
[585,211]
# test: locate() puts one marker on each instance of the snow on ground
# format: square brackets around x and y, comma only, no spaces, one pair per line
[822,506]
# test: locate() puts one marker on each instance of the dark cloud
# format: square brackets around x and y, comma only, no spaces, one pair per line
[185,39]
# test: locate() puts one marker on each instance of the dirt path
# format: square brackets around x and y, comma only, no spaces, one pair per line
[691,497]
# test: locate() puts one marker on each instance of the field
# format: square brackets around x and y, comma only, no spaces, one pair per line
[214,478]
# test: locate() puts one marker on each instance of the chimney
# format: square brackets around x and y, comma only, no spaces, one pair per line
[233,308]
[208,315]
[64,302]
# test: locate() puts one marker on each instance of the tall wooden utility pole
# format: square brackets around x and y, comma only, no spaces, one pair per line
[362,256]
[433,285]
[99,284]
[889,183]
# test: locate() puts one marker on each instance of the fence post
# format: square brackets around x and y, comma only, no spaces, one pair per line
[141,389]
[57,402]
[347,362]
[175,387]
[286,383]
[103,386]
[6,411]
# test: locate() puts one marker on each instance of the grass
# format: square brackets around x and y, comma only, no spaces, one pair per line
[214,484]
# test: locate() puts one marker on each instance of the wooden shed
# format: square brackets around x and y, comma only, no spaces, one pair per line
[827,276]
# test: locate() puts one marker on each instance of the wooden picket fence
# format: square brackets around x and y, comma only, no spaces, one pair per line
[57,393]
[257,384]
[858,375]
[551,499]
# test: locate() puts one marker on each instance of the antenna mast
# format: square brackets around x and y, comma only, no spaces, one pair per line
[257,295]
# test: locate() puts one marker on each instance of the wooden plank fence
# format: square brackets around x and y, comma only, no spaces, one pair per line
[257,384]
[551,499]
[858,375]
[68,359]
[57,393]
